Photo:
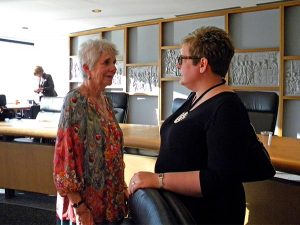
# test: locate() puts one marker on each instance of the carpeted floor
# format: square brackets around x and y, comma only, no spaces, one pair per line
[27,209]
[22,215]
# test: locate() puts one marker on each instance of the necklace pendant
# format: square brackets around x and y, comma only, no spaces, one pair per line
[182,116]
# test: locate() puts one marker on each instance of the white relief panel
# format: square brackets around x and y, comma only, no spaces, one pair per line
[119,80]
[254,69]
[142,80]
[75,71]
[292,78]
[169,61]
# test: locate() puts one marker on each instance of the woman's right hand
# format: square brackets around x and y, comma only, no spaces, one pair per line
[84,216]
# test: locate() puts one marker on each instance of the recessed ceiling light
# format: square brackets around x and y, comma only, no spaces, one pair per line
[96,10]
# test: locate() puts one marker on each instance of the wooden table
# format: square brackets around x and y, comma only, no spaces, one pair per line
[28,167]
[284,151]
[285,154]
[18,107]
[135,135]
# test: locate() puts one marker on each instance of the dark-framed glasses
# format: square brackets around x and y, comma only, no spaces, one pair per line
[181,57]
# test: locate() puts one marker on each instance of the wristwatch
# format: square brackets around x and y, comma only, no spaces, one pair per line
[161,179]
[76,205]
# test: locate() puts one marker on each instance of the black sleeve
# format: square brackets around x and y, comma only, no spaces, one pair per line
[228,136]
[49,84]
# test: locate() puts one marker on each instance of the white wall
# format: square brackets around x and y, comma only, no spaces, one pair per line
[17,80]
[52,53]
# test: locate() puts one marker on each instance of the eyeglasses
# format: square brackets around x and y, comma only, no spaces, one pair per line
[181,57]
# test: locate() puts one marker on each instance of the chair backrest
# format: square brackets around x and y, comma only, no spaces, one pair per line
[51,104]
[177,102]
[152,207]
[50,108]
[262,108]
[2,100]
[120,104]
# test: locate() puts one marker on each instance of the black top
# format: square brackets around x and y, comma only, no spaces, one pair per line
[48,86]
[212,140]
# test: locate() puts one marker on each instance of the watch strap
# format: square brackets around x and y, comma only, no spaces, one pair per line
[76,205]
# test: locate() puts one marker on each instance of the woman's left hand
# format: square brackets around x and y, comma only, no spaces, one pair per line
[143,180]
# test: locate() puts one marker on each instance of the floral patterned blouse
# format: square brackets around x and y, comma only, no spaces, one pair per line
[88,159]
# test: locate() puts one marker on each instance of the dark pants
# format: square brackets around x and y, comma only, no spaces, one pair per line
[64,222]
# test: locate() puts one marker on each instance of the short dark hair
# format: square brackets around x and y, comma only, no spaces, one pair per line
[38,70]
[214,44]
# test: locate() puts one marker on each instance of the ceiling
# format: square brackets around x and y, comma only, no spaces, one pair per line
[24,19]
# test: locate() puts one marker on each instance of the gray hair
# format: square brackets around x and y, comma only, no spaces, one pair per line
[91,50]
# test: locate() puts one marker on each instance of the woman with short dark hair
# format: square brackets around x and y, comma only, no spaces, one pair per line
[204,144]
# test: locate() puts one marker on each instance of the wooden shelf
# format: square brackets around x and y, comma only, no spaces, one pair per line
[142,94]
[255,88]
[170,79]
[291,97]
[140,64]
[170,47]
[291,57]
[257,50]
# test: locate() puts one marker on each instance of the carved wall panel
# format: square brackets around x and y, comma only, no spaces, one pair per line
[292,77]
[169,61]
[119,78]
[254,69]
[75,71]
[142,80]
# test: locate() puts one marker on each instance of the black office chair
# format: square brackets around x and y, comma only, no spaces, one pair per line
[177,103]
[120,104]
[155,207]
[262,108]
[4,112]
[2,100]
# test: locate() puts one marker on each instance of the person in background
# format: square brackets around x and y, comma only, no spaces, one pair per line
[46,84]
[88,158]
[204,143]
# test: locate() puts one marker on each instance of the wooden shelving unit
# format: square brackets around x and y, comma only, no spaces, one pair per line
[145,43]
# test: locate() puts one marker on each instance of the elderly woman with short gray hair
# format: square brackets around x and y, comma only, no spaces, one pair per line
[88,160]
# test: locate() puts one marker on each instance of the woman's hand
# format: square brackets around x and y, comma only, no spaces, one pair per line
[84,216]
[143,180]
